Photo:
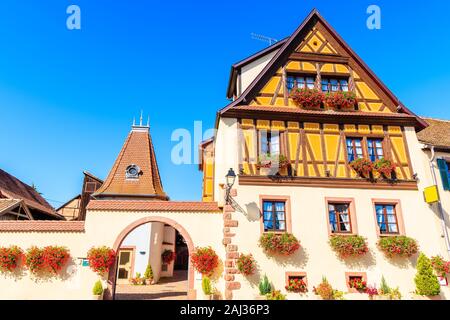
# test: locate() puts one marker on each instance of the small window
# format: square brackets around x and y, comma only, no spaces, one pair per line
[334,85]
[274,215]
[444,170]
[339,217]
[270,142]
[354,148]
[375,147]
[387,218]
[132,172]
[300,82]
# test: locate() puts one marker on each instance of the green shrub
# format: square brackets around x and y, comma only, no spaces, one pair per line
[426,281]
[148,274]
[207,286]
[97,290]
[264,286]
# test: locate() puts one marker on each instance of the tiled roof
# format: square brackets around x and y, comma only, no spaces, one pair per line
[148,205]
[138,150]
[41,226]
[11,187]
[436,134]
[7,203]
[284,109]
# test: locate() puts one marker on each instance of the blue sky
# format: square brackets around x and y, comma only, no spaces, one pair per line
[67,98]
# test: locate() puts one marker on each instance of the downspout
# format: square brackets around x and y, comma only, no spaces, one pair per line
[441,211]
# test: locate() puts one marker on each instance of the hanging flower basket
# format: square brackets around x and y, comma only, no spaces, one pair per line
[10,258]
[345,100]
[101,259]
[49,260]
[400,246]
[168,256]
[246,264]
[307,98]
[384,167]
[205,260]
[297,285]
[279,243]
[349,246]
[362,166]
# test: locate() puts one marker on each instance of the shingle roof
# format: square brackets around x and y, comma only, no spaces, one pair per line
[8,203]
[436,134]
[138,150]
[148,205]
[41,226]
[13,188]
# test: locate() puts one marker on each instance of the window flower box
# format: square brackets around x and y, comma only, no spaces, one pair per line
[307,98]
[268,164]
[348,245]
[205,260]
[398,246]
[246,264]
[440,266]
[101,259]
[279,243]
[384,167]
[10,258]
[345,100]
[363,167]
[297,285]
[357,283]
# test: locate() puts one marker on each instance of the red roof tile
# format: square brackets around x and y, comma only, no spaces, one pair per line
[148,205]
[41,226]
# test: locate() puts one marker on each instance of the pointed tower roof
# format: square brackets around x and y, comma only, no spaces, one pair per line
[135,173]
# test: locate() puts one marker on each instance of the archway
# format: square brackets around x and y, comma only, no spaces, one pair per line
[112,277]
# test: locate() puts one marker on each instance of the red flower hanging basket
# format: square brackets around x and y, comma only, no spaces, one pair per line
[205,260]
[101,259]
[168,256]
[11,258]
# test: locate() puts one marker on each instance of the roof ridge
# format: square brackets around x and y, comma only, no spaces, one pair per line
[436,119]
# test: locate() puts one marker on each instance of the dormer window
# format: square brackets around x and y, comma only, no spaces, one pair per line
[301,82]
[132,172]
[334,84]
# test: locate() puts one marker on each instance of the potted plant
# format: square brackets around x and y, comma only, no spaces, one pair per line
[97,291]
[137,280]
[384,167]
[348,246]
[387,293]
[168,256]
[307,98]
[246,264]
[427,283]
[371,292]
[400,246]
[341,100]
[264,287]
[297,285]
[148,275]
[10,258]
[363,167]
[205,260]
[326,292]
[275,295]
[101,259]
[279,243]
[207,288]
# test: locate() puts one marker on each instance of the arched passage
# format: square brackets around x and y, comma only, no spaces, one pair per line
[110,292]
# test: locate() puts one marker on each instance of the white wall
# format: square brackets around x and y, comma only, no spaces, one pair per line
[140,239]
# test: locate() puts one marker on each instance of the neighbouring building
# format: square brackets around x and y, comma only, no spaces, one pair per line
[19,201]
[315,194]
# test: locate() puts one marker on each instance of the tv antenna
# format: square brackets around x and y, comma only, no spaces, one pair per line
[260,37]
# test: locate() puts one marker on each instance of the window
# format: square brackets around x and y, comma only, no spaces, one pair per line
[387,218]
[375,147]
[300,82]
[353,278]
[274,215]
[269,143]
[132,172]
[354,148]
[334,85]
[444,170]
[339,217]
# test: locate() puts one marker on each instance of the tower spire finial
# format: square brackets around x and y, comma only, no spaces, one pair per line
[140,119]
[148,121]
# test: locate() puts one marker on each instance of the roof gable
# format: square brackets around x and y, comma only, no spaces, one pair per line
[317,40]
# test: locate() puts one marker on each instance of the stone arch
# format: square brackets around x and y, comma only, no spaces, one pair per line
[110,292]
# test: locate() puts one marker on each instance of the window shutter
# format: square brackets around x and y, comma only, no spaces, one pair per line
[443,169]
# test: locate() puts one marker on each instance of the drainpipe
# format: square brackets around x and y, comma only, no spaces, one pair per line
[441,211]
